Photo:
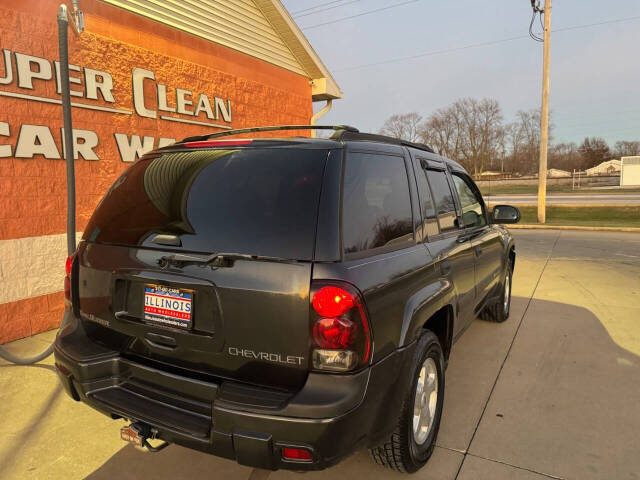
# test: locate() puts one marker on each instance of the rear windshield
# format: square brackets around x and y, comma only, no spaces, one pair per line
[255,201]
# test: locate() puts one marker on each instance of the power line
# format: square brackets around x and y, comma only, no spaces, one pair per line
[481,44]
[433,53]
[316,6]
[368,12]
[558,116]
[328,8]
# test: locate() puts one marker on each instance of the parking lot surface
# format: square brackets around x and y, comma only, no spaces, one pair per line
[551,393]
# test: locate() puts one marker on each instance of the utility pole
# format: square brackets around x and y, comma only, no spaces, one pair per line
[544,116]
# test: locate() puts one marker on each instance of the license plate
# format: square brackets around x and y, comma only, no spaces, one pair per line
[130,434]
[168,306]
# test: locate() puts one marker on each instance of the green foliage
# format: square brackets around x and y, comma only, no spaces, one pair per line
[593,216]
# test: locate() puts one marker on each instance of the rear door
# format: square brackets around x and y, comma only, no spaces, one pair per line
[246,319]
[486,241]
[380,252]
[449,246]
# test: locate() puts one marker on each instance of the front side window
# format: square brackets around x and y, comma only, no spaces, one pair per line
[376,207]
[443,199]
[472,211]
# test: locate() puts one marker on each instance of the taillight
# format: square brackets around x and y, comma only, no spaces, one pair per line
[332,301]
[334,333]
[340,328]
[68,268]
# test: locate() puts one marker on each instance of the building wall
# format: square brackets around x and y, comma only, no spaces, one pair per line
[32,186]
[630,171]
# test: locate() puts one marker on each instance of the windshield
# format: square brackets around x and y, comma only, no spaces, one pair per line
[253,201]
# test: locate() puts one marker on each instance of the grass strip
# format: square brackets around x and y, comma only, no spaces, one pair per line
[591,216]
[533,189]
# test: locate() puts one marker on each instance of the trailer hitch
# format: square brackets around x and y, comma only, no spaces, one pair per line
[139,434]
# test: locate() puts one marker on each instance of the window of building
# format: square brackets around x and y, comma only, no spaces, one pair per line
[376,207]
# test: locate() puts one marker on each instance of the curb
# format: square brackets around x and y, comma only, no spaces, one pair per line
[575,227]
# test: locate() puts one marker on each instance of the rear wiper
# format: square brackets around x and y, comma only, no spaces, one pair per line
[216,260]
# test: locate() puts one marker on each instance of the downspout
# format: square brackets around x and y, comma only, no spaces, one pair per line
[77,23]
[63,24]
[321,113]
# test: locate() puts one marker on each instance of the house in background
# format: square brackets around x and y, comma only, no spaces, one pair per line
[610,167]
[557,173]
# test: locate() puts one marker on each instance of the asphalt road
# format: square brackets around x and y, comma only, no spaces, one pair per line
[621,199]
[552,393]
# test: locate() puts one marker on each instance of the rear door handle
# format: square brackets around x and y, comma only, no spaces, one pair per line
[445,267]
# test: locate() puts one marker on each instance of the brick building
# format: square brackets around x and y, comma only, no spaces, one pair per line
[144,73]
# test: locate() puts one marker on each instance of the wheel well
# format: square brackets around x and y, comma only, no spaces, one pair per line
[441,323]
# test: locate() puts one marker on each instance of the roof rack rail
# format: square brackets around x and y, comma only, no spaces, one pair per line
[373,137]
[336,128]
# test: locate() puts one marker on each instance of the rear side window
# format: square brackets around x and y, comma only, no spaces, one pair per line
[430,224]
[255,201]
[376,207]
[443,199]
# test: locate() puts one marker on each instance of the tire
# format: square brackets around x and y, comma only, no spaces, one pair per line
[406,450]
[499,311]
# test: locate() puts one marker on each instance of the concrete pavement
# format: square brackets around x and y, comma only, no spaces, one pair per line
[551,393]
[596,199]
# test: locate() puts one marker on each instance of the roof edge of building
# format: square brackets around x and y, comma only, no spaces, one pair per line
[323,85]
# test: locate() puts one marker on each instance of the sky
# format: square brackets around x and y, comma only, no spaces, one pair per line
[595,71]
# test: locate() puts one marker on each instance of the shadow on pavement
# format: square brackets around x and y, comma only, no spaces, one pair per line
[30,433]
[566,404]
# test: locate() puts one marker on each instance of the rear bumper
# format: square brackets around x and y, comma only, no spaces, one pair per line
[332,415]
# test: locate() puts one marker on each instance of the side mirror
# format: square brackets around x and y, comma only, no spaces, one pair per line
[505,214]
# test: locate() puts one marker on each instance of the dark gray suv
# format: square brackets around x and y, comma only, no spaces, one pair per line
[282,302]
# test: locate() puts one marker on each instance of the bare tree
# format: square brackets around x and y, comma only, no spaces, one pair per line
[525,141]
[472,132]
[404,126]
[514,141]
[502,146]
[565,156]
[468,131]
[481,124]
[626,149]
[441,131]
[529,124]
[594,150]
